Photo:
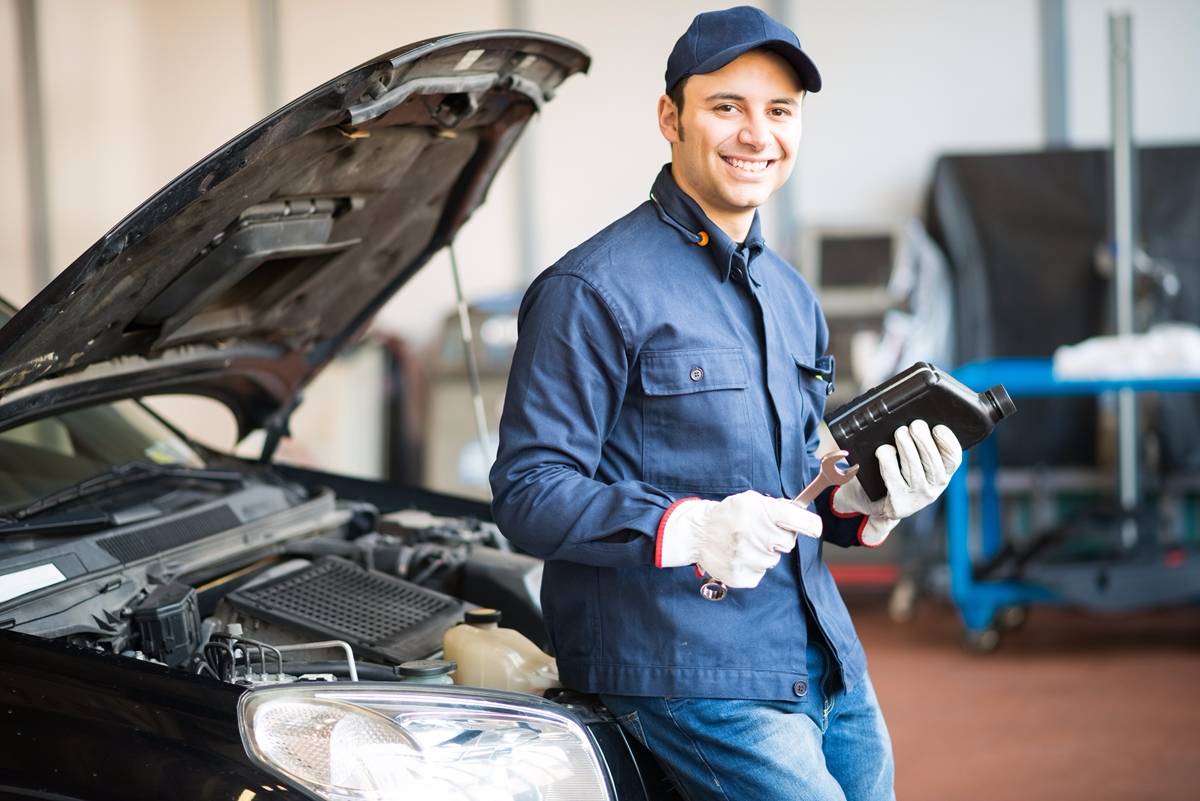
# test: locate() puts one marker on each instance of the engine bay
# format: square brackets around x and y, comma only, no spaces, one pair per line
[354,594]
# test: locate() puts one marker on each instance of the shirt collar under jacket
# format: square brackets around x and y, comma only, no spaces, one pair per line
[677,209]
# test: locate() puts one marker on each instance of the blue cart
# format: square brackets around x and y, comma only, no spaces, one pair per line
[982,604]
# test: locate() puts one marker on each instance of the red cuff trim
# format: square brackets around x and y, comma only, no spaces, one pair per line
[662,526]
[862,527]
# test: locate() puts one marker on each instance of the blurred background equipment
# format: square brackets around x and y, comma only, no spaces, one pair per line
[852,270]
[889,302]
[453,462]
[1079,521]
[887,297]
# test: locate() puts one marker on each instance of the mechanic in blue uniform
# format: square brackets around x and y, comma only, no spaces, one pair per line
[663,405]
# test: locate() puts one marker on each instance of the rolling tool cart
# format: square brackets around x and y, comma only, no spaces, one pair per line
[1131,575]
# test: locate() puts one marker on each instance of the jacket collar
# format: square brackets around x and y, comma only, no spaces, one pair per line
[677,209]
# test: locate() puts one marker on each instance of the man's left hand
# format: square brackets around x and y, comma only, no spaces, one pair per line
[915,471]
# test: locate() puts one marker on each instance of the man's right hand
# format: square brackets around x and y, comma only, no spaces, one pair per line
[736,540]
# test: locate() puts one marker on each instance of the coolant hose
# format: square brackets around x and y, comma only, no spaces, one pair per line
[367,671]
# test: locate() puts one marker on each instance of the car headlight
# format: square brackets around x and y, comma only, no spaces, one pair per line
[385,742]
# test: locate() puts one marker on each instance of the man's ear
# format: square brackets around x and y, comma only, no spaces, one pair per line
[668,119]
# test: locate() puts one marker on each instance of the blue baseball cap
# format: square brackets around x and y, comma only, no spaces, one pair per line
[717,37]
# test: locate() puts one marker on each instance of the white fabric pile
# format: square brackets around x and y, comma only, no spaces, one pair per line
[1166,350]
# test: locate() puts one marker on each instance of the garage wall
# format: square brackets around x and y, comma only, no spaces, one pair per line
[904,82]
[135,92]
[15,255]
[1166,59]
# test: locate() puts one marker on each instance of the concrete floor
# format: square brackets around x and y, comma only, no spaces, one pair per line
[1071,706]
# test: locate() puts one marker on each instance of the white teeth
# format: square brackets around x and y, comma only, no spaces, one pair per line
[748,166]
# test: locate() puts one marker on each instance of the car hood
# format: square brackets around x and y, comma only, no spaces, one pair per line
[245,275]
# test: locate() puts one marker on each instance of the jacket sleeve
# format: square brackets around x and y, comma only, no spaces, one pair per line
[836,527]
[565,391]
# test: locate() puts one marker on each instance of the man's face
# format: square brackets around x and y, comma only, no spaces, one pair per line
[735,141]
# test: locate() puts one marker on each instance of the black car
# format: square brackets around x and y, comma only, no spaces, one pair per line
[175,621]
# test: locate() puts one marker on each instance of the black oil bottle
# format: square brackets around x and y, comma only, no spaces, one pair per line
[922,392]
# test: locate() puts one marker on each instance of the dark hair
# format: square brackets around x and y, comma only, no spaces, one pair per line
[676,95]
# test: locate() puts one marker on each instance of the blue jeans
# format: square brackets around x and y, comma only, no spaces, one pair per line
[829,745]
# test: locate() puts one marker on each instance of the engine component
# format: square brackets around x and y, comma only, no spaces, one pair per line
[168,621]
[367,671]
[508,581]
[383,617]
[497,658]
[413,525]
[427,671]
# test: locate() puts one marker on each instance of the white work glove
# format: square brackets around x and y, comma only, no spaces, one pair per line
[914,480]
[736,540]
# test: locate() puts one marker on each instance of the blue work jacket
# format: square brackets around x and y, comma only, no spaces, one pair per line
[656,361]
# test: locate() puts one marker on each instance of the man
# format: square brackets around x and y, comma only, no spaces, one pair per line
[666,390]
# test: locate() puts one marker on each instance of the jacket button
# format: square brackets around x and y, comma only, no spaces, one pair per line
[696,374]
[800,688]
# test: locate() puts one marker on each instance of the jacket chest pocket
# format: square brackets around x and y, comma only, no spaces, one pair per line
[816,378]
[696,418]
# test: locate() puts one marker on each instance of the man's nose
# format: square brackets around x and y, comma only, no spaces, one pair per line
[754,133]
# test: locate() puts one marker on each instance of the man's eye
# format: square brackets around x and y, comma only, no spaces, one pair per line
[726,108]
[781,112]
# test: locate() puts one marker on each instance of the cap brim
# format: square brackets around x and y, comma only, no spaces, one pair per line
[810,78]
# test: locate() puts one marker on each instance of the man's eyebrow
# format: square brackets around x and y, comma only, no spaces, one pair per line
[784,101]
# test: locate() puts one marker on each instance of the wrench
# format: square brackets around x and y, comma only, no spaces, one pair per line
[830,475]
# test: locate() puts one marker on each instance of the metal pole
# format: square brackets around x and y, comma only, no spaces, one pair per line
[526,165]
[266,25]
[1054,72]
[1120,27]
[35,145]
[464,321]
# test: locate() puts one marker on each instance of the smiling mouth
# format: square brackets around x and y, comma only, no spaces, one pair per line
[749,166]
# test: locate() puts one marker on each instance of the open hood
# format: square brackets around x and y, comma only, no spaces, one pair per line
[244,276]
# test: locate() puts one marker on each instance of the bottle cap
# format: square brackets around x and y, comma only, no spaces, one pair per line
[426,667]
[482,616]
[1001,402]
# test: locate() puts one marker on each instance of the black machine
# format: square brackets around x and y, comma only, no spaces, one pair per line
[1020,291]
